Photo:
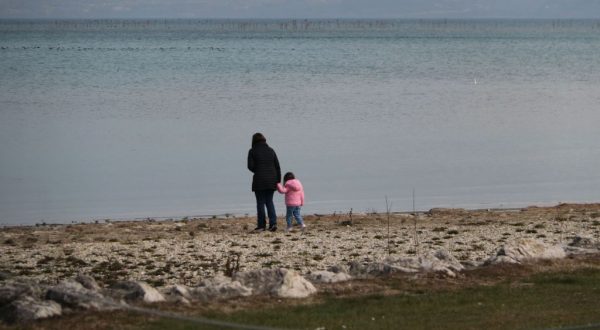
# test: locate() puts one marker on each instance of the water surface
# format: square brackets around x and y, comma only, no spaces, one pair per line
[135,119]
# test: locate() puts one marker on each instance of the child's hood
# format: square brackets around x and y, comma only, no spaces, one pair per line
[293,184]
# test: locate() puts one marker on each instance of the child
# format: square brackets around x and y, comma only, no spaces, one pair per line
[294,199]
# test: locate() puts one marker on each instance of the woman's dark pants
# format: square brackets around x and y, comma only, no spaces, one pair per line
[265,198]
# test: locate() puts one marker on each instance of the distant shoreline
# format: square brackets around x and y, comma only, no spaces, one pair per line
[281,216]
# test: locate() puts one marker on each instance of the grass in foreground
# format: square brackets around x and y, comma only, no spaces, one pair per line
[517,299]
[541,301]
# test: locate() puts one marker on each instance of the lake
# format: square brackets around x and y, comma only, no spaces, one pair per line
[126,119]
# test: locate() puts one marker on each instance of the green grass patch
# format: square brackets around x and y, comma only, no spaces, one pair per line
[539,301]
[543,300]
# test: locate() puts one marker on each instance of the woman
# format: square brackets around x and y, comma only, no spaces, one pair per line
[263,162]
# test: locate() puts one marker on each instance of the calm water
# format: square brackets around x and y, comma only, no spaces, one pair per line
[128,119]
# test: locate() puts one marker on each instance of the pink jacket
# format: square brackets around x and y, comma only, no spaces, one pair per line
[294,193]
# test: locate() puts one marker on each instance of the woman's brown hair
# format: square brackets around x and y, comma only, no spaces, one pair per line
[257,138]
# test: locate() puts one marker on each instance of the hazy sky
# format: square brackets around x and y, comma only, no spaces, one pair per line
[299,8]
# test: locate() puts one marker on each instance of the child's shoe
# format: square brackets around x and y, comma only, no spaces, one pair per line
[303,228]
[288,229]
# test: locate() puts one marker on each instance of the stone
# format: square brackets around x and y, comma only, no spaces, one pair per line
[338,269]
[294,286]
[359,270]
[526,249]
[279,282]
[220,287]
[182,301]
[10,292]
[471,264]
[584,242]
[179,294]
[446,260]
[87,282]
[5,275]
[261,281]
[72,294]
[501,260]
[324,276]
[440,261]
[27,308]
[179,290]
[139,291]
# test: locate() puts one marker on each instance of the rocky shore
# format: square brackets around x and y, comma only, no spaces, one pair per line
[111,264]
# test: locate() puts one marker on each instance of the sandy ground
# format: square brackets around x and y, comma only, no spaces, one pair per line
[187,250]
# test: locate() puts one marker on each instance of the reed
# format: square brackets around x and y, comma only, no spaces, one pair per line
[388,207]
[415,231]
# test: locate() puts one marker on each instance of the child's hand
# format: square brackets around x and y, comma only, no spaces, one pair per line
[280,188]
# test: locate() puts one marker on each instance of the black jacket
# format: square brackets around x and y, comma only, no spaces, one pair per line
[263,162]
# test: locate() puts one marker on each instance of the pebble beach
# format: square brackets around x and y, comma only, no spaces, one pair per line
[186,251]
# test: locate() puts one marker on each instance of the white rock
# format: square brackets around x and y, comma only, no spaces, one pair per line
[139,291]
[427,263]
[88,282]
[182,301]
[278,282]
[27,308]
[324,276]
[11,291]
[370,269]
[220,287]
[338,269]
[294,286]
[180,290]
[502,259]
[440,261]
[150,294]
[526,249]
[73,294]
[448,260]
[445,262]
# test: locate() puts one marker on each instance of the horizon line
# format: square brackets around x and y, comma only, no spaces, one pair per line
[301,18]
